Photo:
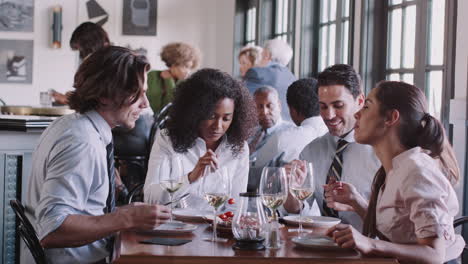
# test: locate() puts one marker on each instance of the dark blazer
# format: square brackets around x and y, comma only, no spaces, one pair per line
[274,75]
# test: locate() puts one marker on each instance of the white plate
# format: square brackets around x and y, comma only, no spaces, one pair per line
[190,215]
[320,242]
[174,228]
[312,221]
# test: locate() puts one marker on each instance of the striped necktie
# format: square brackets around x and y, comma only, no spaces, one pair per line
[110,202]
[334,173]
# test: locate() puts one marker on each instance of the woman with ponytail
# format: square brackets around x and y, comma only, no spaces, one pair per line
[412,205]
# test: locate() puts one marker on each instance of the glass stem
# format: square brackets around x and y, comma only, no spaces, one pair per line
[300,221]
[171,195]
[215,222]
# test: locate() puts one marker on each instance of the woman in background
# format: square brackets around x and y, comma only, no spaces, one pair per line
[181,59]
[413,203]
[249,56]
[210,120]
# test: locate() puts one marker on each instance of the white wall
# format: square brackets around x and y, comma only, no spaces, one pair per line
[209,24]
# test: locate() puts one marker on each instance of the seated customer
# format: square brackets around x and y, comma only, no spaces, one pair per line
[270,122]
[413,203]
[272,71]
[181,59]
[70,197]
[286,145]
[336,156]
[249,56]
[209,122]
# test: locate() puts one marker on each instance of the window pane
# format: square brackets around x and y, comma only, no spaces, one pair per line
[395,2]
[285,16]
[345,46]
[395,38]
[408,78]
[345,8]
[435,92]
[279,16]
[332,10]
[331,45]
[436,56]
[410,37]
[324,11]
[323,48]
[393,77]
[251,24]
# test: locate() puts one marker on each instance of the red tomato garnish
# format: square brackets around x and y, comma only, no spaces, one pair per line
[231,201]
[229,214]
[223,217]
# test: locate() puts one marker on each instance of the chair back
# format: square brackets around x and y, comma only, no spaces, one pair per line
[27,232]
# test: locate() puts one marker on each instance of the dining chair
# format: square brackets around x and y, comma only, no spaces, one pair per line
[461,221]
[136,194]
[27,232]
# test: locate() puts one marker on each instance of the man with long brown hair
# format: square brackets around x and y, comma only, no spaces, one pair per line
[71,191]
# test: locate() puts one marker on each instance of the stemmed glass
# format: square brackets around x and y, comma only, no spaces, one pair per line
[301,187]
[216,189]
[274,191]
[171,174]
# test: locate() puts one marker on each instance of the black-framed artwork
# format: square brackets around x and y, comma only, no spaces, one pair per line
[139,17]
[16,61]
[17,15]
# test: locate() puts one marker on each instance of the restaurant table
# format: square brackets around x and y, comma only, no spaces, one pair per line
[128,249]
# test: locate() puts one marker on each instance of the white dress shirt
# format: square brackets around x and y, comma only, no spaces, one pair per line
[237,167]
[286,145]
[69,176]
[418,201]
[359,167]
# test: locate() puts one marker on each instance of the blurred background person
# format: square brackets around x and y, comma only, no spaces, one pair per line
[272,71]
[181,60]
[249,56]
[86,39]
[210,120]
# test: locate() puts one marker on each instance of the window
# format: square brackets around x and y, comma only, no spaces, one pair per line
[251,26]
[326,34]
[283,20]
[416,39]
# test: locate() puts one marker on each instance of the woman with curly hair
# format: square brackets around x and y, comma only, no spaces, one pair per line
[181,59]
[210,120]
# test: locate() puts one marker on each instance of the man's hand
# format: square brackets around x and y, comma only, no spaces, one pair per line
[209,159]
[141,216]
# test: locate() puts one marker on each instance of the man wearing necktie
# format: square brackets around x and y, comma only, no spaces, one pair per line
[71,191]
[336,156]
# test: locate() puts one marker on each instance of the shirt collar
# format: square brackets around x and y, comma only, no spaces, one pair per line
[275,127]
[349,137]
[101,125]
[405,155]
[311,121]
[201,143]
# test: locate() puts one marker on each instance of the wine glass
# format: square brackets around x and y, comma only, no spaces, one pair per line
[171,177]
[216,189]
[302,187]
[274,191]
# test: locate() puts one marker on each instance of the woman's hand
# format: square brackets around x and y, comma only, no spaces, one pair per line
[348,237]
[341,196]
[209,159]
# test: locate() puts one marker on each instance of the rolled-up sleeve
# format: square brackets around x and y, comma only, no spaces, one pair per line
[69,176]
[425,193]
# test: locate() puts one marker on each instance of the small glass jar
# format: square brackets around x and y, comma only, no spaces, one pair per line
[249,223]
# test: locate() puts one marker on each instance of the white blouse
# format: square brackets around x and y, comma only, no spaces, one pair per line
[237,167]
[418,201]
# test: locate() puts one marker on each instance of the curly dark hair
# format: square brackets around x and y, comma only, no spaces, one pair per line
[195,100]
[302,96]
[87,38]
[341,74]
[115,73]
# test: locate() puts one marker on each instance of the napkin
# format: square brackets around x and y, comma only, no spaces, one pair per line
[166,241]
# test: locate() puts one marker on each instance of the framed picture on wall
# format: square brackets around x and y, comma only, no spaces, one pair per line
[17,15]
[16,61]
[139,17]
[101,12]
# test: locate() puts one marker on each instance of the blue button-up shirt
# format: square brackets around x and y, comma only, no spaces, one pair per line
[69,176]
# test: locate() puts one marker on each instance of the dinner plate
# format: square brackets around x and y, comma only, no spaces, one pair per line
[171,228]
[318,242]
[190,215]
[312,221]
